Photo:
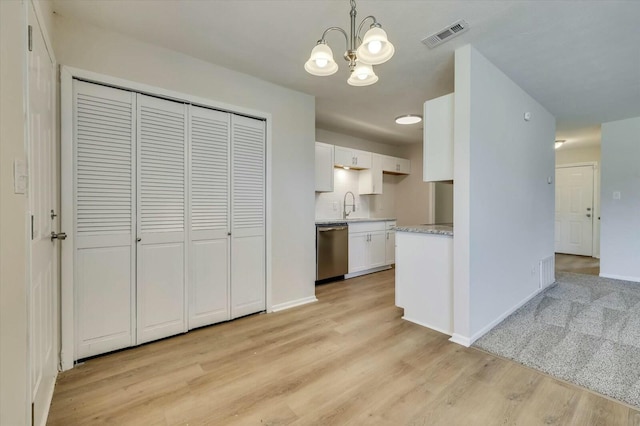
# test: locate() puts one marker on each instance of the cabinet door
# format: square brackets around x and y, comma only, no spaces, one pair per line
[395,165]
[370,181]
[438,139]
[162,184]
[358,246]
[248,278]
[209,242]
[376,249]
[104,218]
[362,159]
[324,167]
[390,251]
[343,157]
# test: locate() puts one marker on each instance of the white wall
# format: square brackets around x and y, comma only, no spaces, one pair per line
[504,206]
[413,195]
[293,125]
[577,155]
[13,224]
[620,224]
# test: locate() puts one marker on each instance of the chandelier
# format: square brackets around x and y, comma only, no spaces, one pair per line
[361,54]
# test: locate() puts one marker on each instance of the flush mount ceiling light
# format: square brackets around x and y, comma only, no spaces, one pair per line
[408,119]
[559,143]
[362,53]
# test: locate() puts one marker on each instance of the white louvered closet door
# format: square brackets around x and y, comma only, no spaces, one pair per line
[162,185]
[248,284]
[209,239]
[104,212]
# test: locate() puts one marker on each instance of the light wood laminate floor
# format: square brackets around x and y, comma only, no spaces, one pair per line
[577,264]
[348,359]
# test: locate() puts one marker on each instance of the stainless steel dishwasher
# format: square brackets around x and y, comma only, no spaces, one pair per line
[332,250]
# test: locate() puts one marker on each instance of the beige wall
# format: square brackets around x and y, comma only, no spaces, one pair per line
[577,155]
[13,224]
[293,131]
[443,202]
[413,195]
[341,139]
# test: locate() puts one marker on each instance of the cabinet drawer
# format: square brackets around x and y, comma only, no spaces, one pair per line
[390,224]
[366,227]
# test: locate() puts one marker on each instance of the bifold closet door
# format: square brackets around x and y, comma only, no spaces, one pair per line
[248,284]
[209,236]
[104,211]
[161,248]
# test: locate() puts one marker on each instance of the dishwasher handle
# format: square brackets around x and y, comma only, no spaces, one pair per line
[336,228]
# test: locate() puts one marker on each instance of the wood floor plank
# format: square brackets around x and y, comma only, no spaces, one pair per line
[348,359]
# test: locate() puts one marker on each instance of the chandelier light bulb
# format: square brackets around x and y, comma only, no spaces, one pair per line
[321,62]
[362,75]
[374,46]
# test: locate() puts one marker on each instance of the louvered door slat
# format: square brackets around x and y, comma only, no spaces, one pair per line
[248,173]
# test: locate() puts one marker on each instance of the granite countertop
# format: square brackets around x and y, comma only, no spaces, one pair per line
[354,219]
[439,229]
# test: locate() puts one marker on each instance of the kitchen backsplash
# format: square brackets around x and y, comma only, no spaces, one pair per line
[329,204]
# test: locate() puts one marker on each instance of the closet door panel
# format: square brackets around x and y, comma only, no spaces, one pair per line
[248,284]
[209,189]
[104,212]
[162,187]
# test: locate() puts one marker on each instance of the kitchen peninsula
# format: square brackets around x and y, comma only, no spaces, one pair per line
[424,275]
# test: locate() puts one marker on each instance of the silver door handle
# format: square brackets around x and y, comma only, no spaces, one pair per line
[337,228]
[59,236]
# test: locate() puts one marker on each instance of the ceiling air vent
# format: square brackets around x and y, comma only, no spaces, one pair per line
[446,34]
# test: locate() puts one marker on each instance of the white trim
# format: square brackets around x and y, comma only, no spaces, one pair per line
[367,271]
[293,303]
[621,277]
[423,324]
[582,164]
[45,33]
[460,340]
[67,74]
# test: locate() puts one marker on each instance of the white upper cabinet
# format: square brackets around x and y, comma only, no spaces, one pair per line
[324,167]
[370,180]
[354,158]
[395,165]
[438,139]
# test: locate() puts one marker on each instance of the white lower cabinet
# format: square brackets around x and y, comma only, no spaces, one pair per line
[367,246]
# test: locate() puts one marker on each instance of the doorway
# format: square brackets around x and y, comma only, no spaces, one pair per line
[576,230]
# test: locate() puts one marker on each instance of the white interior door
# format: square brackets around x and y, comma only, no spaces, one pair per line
[574,210]
[42,204]
[104,209]
[161,246]
[209,236]
[248,285]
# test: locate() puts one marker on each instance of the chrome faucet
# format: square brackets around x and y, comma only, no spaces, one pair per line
[344,205]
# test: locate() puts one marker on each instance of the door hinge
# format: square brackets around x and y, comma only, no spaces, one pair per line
[30,38]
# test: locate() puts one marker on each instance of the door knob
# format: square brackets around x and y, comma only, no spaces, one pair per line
[588,215]
[59,236]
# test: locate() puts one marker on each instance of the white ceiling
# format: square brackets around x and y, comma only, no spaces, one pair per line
[580,59]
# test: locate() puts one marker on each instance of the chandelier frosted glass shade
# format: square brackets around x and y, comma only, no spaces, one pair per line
[375,48]
[362,75]
[321,61]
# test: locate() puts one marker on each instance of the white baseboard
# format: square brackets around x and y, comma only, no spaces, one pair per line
[501,318]
[461,340]
[293,303]
[468,341]
[439,330]
[367,271]
[621,277]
